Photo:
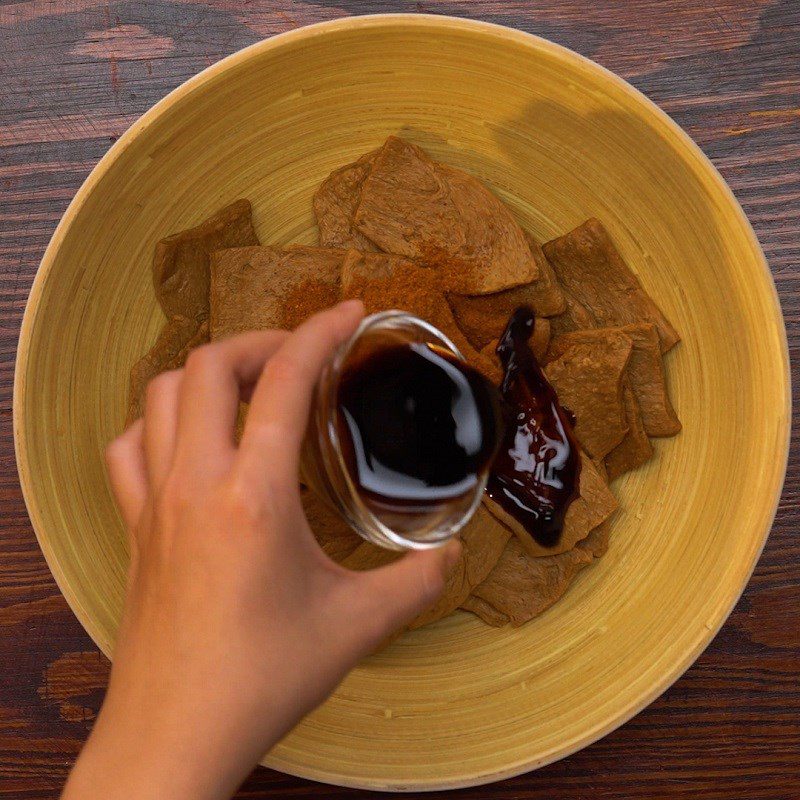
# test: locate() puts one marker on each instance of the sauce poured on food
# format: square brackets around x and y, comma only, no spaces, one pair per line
[535,474]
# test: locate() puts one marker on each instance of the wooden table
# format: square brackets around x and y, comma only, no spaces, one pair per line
[74,75]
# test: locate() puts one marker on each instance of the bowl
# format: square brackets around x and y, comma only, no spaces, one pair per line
[559,139]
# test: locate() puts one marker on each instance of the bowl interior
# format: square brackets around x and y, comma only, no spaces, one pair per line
[560,140]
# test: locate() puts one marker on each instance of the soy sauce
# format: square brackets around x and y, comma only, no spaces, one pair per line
[418,428]
[535,474]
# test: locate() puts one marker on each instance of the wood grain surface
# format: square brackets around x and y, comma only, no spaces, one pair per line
[75,74]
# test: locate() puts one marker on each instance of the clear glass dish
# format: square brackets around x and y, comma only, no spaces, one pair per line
[323,467]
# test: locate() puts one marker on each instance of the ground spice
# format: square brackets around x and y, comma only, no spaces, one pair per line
[449,269]
[307,298]
[417,290]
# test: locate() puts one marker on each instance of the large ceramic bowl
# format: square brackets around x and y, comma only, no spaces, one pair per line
[559,139]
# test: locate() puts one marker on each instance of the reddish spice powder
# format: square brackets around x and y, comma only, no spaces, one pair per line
[415,288]
[307,298]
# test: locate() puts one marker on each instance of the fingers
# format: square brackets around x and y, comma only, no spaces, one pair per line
[385,599]
[216,377]
[278,415]
[160,424]
[127,471]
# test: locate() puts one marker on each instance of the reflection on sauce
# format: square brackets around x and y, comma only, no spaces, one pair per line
[535,475]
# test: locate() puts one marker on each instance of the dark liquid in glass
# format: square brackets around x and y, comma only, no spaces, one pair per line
[417,427]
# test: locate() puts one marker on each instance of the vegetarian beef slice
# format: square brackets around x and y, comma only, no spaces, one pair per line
[175,341]
[181,261]
[635,449]
[360,268]
[335,205]
[482,318]
[520,586]
[250,286]
[413,206]
[588,379]
[485,611]
[592,273]
[645,371]
[574,318]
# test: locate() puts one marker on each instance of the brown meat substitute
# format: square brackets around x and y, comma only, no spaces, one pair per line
[181,261]
[177,339]
[413,206]
[594,505]
[635,449]
[521,587]
[588,379]
[645,370]
[250,286]
[592,271]
[335,204]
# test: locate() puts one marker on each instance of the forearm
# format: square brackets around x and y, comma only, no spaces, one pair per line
[152,753]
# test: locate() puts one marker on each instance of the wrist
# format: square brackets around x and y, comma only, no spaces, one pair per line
[163,753]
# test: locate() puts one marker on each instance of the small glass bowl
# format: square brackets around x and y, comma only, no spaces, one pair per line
[323,467]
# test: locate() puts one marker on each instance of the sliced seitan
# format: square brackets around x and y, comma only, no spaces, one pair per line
[181,261]
[593,506]
[635,449]
[335,204]
[588,379]
[521,587]
[592,271]
[250,286]
[645,371]
[483,318]
[415,207]
[177,338]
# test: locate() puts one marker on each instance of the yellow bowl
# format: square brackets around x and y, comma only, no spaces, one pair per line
[559,139]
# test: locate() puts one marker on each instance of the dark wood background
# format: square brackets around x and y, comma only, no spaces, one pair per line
[74,75]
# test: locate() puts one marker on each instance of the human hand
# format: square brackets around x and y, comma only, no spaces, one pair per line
[236,624]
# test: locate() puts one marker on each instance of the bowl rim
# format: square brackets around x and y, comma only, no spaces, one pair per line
[501,34]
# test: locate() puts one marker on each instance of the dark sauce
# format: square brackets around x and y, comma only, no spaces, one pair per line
[418,428]
[535,475]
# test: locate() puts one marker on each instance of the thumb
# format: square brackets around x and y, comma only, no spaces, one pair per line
[391,596]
